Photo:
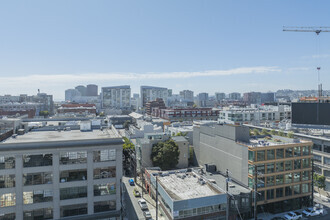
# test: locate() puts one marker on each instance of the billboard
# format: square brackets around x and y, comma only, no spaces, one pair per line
[311,113]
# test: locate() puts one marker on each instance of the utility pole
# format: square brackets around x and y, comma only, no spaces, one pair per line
[227,207]
[312,182]
[255,192]
[156,197]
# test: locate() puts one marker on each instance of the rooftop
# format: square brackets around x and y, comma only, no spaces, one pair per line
[186,185]
[273,140]
[52,136]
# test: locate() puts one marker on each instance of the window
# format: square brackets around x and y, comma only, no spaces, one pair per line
[317,158]
[7,181]
[270,154]
[261,182]
[326,149]
[270,181]
[296,189]
[326,173]
[104,189]
[37,160]
[73,192]
[297,164]
[279,192]
[317,169]
[105,155]
[37,178]
[288,152]
[305,150]
[305,163]
[251,169]
[7,162]
[7,199]
[104,206]
[279,179]
[297,151]
[270,168]
[261,155]
[305,188]
[9,216]
[288,178]
[317,147]
[37,196]
[288,190]
[261,196]
[261,168]
[296,177]
[251,183]
[279,166]
[305,175]
[288,165]
[73,175]
[45,213]
[270,194]
[73,157]
[326,160]
[251,155]
[105,172]
[279,153]
[72,210]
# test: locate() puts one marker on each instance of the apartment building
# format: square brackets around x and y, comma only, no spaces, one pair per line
[116,97]
[151,93]
[68,174]
[186,114]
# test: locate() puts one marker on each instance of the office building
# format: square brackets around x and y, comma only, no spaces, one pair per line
[220,96]
[283,164]
[53,175]
[268,97]
[151,93]
[157,104]
[234,96]
[252,97]
[116,97]
[92,90]
[187,95]
[81,89]
[186,114]
[70,94]
[186,194]
[203,99]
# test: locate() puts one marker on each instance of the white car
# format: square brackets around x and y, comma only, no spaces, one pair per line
[311,212]
[291,216]
[143,204]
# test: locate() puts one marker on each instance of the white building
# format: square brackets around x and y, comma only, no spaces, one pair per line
[254,114]
[187,95]
[53,175]
[151,93]
[116,97]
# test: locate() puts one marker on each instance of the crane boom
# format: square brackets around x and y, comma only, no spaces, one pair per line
[317,30]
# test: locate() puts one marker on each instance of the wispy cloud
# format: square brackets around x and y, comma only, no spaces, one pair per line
[298,69]
[317,56]
[96,77]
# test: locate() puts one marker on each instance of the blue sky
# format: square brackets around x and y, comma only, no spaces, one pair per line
[202,45]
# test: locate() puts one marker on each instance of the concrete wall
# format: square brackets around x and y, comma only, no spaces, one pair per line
[216,145]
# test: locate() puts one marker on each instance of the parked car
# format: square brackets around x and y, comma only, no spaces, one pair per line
[136,192]
[291,216]
[319,209]
[147,214]
[298,214]
[143,204]
[131,182]
[311,212]
[278,218]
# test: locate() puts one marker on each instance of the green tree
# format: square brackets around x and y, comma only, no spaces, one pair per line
[256,132]
[101,114]
[319,181]
[273,132]
[290,134]
[181,134]
[127,147]
[194,105]
[44,113]
[191,156]
[165,155]
[281,133]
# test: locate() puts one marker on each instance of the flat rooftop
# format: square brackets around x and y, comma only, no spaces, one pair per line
[50,136]
[182,186]
[273,141]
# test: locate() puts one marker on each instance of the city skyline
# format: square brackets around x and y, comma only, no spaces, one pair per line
[212,46]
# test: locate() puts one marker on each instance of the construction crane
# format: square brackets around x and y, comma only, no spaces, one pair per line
[317,30]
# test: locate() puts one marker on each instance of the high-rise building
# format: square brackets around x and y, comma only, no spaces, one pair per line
[151,93]
[116,97]
[53,175]
[220,96]
[234,96]
[170,92]
[70,94]
[91,90]
[81,89]
[203,99]
[187,95]
[252,97]
[267,97]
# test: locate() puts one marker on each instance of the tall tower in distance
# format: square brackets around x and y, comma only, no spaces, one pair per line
[92,90]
